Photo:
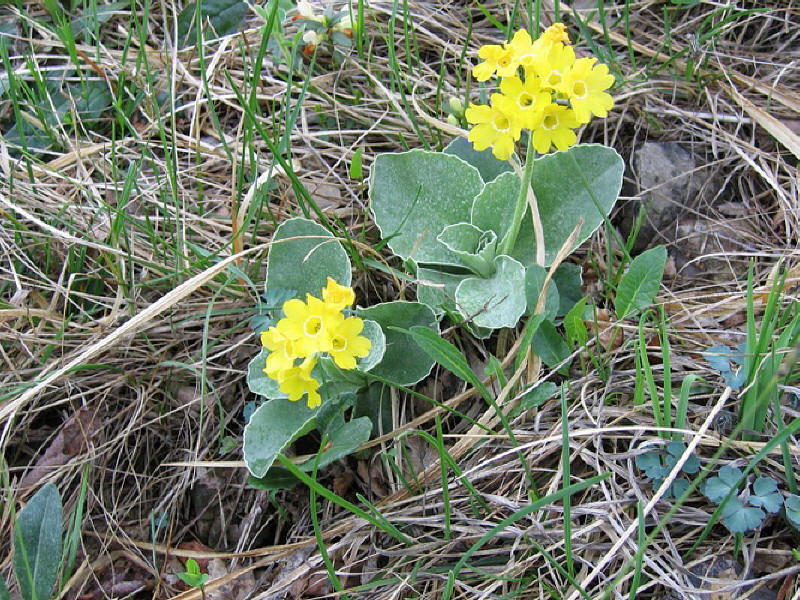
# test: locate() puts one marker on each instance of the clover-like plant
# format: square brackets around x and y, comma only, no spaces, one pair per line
[742,514]
[657,464]
[320,352]
[475,224]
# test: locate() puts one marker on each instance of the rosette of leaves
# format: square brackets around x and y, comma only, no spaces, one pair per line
[446,213]
[742,512]
[302,256]
[657,464]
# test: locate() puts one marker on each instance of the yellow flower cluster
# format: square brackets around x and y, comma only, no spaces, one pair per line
[309,329]
[555,94]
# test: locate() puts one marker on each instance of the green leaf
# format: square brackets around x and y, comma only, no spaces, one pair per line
[568,279]
[550,346]
[277,478]
[738,518]
[536,396]
[718,487]
[496,301]
[193,577]
[403,363]
[225,17]
[4,595]
[415,195]
[302,257]
[639,285]
[88,18]
[574,326]
[766,495]
[447,355]
[37,544]
[488,166]
[355,171]
[343,442]
[272,427]
[534,280]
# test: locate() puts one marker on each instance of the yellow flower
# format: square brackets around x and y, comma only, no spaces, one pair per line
[297,381]
[555,127]
[557,32]
[281,356]
[585,84]
[337,296]
[494,127]
[523,49]
[346,344]
[309,325]
[552,66]
[498,59]
[525,99]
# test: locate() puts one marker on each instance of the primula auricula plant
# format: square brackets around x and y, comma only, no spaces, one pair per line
[322,357]
[476,225]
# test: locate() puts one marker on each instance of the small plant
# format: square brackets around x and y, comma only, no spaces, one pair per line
[477,255]
[743,514]
[729,363]
[318,360]
[657,464]
[193,577]
[38,557]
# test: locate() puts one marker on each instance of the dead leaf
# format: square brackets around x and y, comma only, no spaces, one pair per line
[73,439]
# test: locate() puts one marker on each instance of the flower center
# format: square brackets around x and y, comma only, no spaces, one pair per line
[504,61]
[525,100]
[550,122]
[526,60]
[312,326]
[553,79]
[579,90]
[500,123]
[338,343]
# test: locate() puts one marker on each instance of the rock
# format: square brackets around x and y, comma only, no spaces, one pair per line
[714,579]
[667,183]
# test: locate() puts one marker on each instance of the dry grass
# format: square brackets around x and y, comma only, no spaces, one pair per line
[125,350]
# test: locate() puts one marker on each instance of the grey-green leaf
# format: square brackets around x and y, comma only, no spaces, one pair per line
[766,495]
[581,183]
[488,166]
[302,257]
[373,332]
[639,285]
[415,195]
[718,487]
[343,442]
[437,289]
[404,362]
[4,595]
[496,301]
[37,544]
[739,518]
[534,280]
[793,509]
[272,427]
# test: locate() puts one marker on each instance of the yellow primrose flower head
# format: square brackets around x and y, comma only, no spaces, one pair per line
[543,88]
[308,330]
[337,295]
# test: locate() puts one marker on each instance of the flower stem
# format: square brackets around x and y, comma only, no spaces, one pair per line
[525,197]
